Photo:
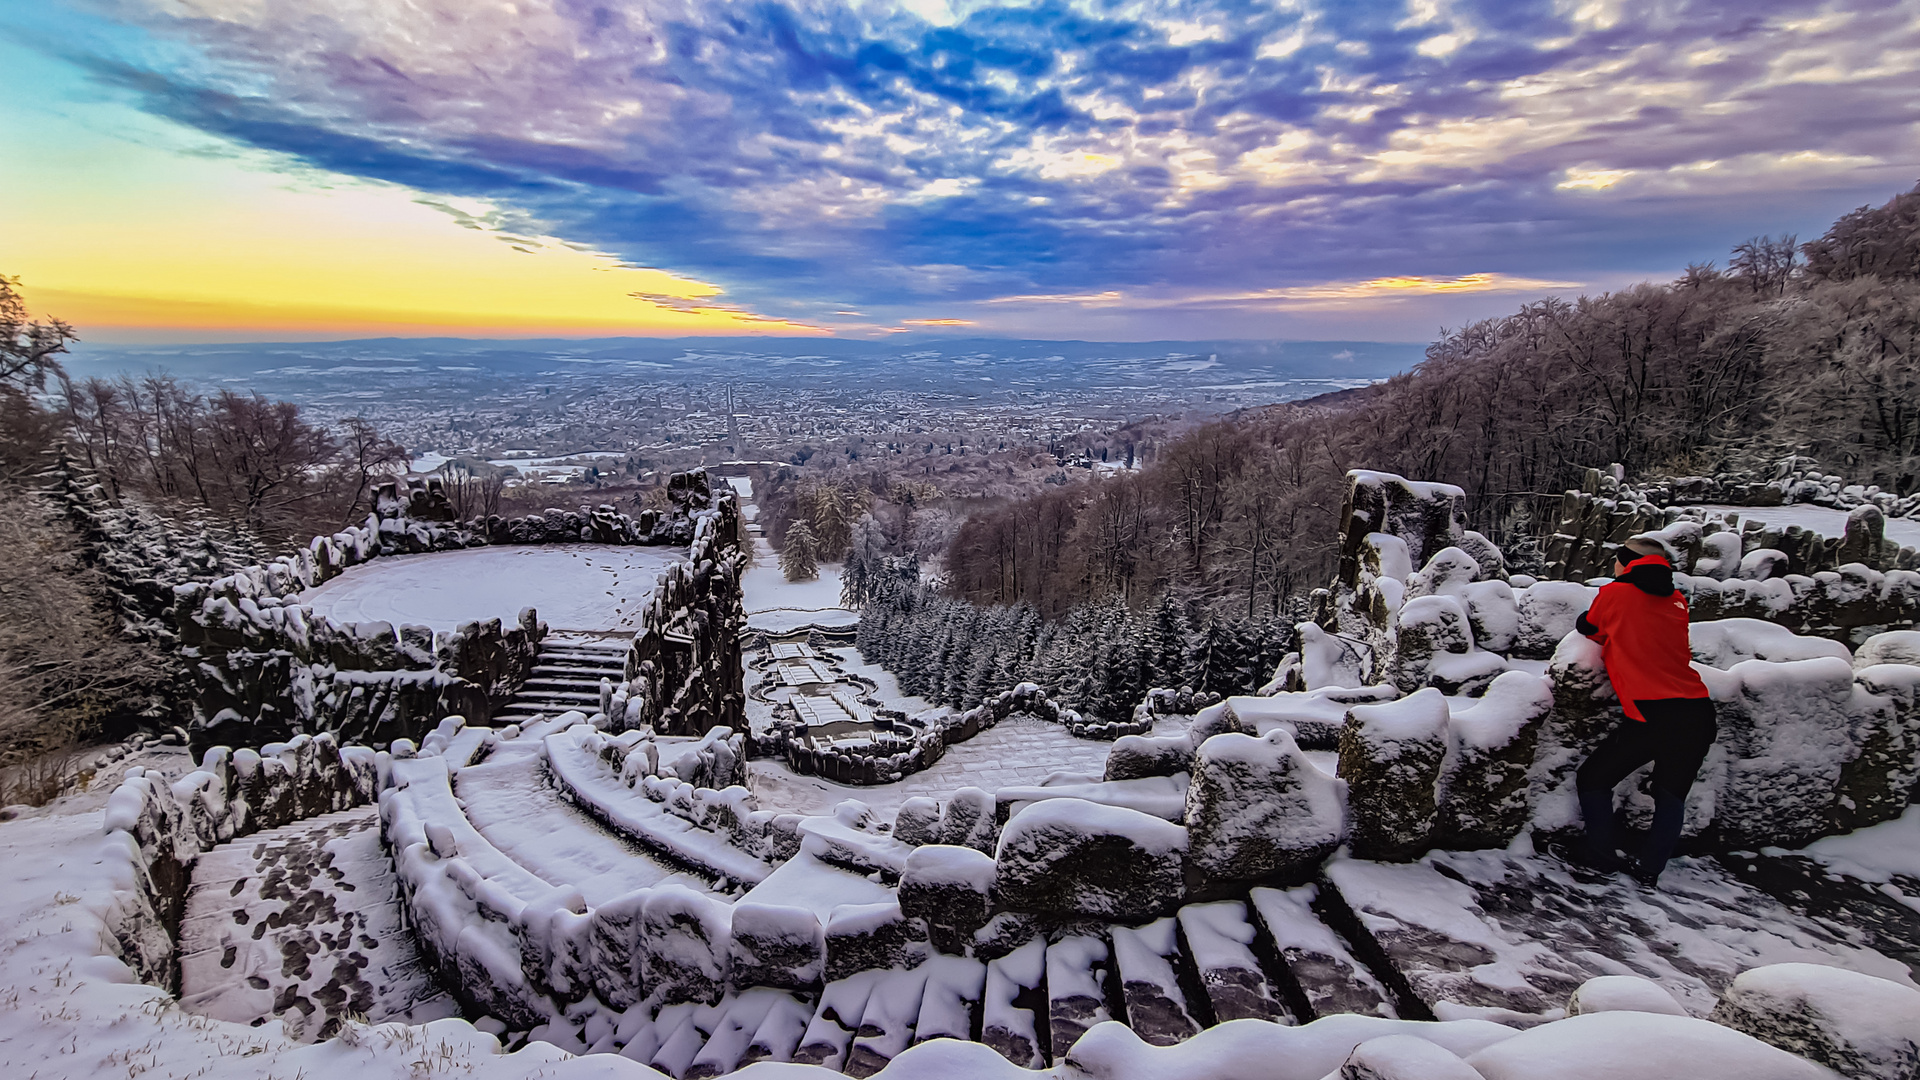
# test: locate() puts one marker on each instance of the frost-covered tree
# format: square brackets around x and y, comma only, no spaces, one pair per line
[800,554]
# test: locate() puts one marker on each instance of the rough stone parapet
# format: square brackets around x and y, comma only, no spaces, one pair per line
[264,667]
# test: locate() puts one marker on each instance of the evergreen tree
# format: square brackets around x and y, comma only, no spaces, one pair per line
[800,553]
[1220,663]
[1167,643]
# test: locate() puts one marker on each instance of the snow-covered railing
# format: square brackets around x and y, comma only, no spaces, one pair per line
[681,798]
[158,828]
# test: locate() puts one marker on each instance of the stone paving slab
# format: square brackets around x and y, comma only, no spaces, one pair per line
[303,923]
[1508,938]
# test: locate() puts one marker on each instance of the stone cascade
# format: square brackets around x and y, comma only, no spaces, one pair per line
[1019,921]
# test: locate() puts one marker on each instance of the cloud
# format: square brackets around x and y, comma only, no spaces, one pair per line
[1069,152]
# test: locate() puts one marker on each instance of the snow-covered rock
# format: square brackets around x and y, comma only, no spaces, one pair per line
[1622,993]
[1327,659]
[1786,732]
[1070,856]
[868,937]
[1135,757]
[1314,717]
[683,936]
[775,946]
[1390,757]
[1489,758]
[1879,783]
[1619,1045]
[1890,647]
[1403,1057]
[1857,1025]
[951,889]
[1257,809]
[1547,611]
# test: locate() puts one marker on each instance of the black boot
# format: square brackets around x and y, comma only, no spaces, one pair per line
[1669,815]
[1596,813]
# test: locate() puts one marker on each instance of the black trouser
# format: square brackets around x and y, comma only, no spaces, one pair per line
[1675,736]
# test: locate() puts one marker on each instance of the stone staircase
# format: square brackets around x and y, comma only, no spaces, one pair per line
[567,677]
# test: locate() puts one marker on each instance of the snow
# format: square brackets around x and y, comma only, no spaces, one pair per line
[1820,519]
[1860,1025]
[805,882]
[572,586]
[1161,796]
[1878,854]
[1723,643]
[510,802]
[1623,993]
[1421,716]
[1152,835]
[779,606]
[1258,1050]
[1404,1057]
[1621,1045]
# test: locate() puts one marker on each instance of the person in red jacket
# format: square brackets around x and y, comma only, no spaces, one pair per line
[1641,625]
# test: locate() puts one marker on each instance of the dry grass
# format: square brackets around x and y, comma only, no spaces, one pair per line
[41,777]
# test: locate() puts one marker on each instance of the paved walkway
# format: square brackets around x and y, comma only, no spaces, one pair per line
[303,922]
[1018,751]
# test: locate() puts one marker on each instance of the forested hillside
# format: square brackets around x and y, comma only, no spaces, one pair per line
[1810,348]
[111,493]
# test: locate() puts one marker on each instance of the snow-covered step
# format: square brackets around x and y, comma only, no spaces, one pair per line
[1886,913]
[1013,1006]
[829,1035]
[1511,936]
[726,1046]
[1319,961]
[581,696]
[1078,967]
[510,802]
[887,1023]
[303,922]
[950,1008]
[780,1032]
[1156,1005]
[1220,940]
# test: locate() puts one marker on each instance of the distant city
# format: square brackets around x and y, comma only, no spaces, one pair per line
[551,407]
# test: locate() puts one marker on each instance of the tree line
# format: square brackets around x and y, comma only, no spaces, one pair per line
[1810,349]
[113,491]
[1101,658]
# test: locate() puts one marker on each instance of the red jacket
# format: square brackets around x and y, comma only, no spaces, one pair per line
[1641,625]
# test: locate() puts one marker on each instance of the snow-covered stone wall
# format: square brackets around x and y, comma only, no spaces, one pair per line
[154,829]
[1605,511]
[684,669]
[265,667]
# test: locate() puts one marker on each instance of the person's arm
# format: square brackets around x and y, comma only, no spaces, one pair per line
[1586,624]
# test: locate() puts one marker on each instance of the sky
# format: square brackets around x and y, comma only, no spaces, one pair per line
[229,170]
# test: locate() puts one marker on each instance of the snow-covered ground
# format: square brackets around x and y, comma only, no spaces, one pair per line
[779,606]
[1821,519]
[573,586]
